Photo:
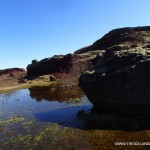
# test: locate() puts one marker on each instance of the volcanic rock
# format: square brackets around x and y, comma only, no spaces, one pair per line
[71,64]
[120,81]
[131,36]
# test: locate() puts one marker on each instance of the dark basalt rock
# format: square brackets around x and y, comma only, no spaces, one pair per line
[120,80]
[62,64]
[132,37]
[50,65]
[124,36]
[83,50]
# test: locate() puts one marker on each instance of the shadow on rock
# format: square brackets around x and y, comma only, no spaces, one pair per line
[82,117]
[104,121]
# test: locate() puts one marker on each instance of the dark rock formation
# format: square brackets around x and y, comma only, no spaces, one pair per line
[132,37]
[83,50]
[60,64]
[34,61]
[120,80]
[52,78]
[49,65]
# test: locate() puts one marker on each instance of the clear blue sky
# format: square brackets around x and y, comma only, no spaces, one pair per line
[36,29]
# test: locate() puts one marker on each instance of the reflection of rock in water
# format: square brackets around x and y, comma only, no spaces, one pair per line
[104,121]
[49,93]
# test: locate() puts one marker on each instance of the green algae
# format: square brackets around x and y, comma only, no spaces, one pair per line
[74,101]
[39,136]
[10,121]
[14,120]
[8,133]
[54,136]
[27,123]
[24,138]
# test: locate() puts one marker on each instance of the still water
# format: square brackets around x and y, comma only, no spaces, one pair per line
[45,105]
[46,119]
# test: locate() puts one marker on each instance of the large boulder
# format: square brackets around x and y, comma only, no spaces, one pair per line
[120,80]
[133,36]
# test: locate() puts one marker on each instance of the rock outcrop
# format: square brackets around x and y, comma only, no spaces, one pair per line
[138,36]
[49,65]
[120,81]
[60,64]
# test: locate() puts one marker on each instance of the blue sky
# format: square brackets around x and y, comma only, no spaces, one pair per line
[36,29]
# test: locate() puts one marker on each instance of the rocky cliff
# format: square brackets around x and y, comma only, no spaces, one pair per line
[58,65]
[49,65]
[120,81]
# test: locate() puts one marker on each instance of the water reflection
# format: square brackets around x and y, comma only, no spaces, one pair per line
[73,100]
[46,105]
[6,96]
[61,95]
[66,107]
[66,117]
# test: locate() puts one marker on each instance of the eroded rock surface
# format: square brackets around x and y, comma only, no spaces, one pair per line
[120,80]
[71,64]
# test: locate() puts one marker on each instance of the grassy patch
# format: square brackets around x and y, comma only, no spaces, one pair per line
[27,85]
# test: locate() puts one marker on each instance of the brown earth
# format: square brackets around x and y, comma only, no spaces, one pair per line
[11,77]
[14,78]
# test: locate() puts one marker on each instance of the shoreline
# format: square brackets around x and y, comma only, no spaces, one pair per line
[6,89]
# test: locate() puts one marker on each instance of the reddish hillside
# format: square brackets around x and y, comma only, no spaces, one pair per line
[14,71]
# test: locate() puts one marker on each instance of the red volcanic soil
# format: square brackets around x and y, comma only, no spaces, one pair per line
[10,77]
[13,71]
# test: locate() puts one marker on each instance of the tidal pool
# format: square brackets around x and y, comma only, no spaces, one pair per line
[43,118]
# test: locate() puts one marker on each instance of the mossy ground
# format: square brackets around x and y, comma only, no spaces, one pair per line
[54,136]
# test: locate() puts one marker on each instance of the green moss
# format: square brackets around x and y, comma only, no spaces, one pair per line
[5,143]
[1,123]
[74,101]
[78,101]
[38,137]
[14,120]
[25,139]
[9,133]
[27,123]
